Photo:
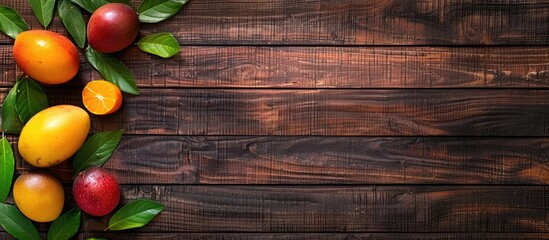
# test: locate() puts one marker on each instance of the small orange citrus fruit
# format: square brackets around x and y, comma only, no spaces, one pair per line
[101,97]
[46,56]
[39,196]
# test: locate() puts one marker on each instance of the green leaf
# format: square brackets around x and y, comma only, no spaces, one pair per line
[92,5]
[43,10]
[153,11]
[96,150]
[29,99]
[113,70]
[72,18]
[11,23]
[11,123]
[16,224]
[135,214]
[65,226]
[160,44]
[7,167]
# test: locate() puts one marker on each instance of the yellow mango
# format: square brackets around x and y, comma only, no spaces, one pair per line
[53,135]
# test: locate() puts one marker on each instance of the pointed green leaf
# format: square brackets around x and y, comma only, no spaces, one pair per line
[11,23]
[96,150]
[43,10]
[92,5]
[72,18]
[113,70]
[11,123]
[16,224]
[160,44]
[65,226]
[153,11]
[7,167]
[30,99]
[135,214]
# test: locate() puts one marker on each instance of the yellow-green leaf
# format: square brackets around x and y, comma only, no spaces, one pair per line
[135,214]
[153,11]
[160,44]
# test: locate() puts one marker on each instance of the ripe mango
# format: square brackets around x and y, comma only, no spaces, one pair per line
[53,135]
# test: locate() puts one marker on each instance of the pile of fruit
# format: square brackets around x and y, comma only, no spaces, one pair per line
[51,135]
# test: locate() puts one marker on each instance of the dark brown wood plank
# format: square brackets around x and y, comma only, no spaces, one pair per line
[327,67]
[345,22]
[317,236]
[323,160]
[127,235]
[342,209]
[338,209]
[297,160]
[442,112]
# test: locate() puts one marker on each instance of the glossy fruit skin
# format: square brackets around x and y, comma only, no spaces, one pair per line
[88,93]
[112,27]
[53,135]
[46,56]
[39,196]
[96,191]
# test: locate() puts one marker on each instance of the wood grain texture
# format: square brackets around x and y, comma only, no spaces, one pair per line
[327,67]
[318,236]
[345,22]
[442,112]
[333,160]
[302,236]
[323,160]
[290,209]
[338,209]
[331,119]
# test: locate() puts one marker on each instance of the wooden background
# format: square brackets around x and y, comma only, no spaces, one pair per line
[332,119]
